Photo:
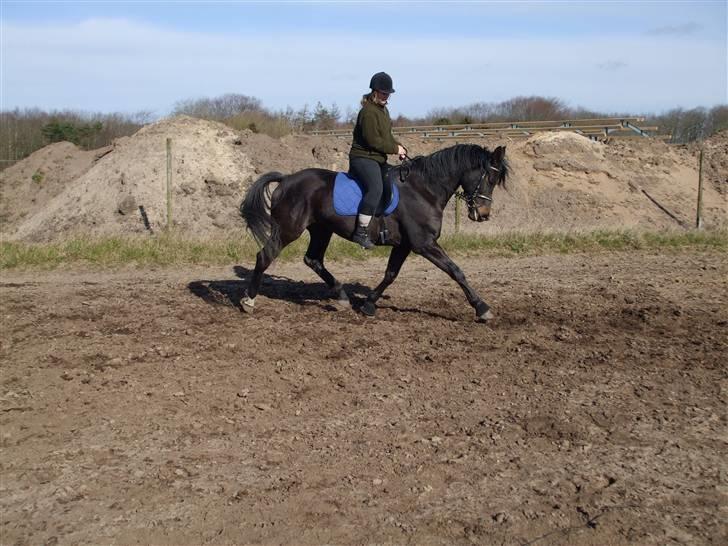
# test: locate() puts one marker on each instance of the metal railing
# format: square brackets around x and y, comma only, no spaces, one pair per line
[594,128]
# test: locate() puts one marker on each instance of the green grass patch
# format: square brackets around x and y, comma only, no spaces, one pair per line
[172,250]
[38,177]
[594,241]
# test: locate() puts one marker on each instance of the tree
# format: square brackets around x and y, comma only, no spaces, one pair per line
[59,131]
[81,134]
[218,108]
[326,118]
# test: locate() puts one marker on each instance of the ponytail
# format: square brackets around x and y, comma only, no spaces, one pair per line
[369,97]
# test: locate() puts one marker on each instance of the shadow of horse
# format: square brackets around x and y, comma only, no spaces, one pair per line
[229,293]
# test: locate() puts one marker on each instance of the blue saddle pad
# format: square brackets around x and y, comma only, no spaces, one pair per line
[348,194]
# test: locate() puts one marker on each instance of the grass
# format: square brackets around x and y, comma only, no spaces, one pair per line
[38,177]
[167,250]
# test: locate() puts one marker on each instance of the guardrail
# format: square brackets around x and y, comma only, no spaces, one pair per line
[593,128]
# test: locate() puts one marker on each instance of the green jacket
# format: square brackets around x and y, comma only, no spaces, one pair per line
[373,137]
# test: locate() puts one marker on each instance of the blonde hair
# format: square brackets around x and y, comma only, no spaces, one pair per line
[368,97]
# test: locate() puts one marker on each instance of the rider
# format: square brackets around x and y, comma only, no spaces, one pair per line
[373,140]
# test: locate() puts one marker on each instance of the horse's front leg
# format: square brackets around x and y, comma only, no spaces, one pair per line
[396,259]
[439,257]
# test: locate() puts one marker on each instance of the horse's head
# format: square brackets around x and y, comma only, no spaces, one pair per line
[478,184]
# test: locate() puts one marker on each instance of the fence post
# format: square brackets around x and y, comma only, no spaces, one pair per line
[169,184]
[457,215]
[699,216]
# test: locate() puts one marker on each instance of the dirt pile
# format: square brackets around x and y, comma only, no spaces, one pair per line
[715,160]
[125,190]
[567,181]
[29,185]
[567,151]
[295,152]
[560,181]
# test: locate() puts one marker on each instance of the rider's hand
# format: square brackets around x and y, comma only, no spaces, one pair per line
[401,151]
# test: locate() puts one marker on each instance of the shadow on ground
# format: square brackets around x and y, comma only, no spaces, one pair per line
[229,293]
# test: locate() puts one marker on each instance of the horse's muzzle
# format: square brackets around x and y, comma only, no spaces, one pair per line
[479,214]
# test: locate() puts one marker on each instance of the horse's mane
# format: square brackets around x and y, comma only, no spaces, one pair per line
[454,160]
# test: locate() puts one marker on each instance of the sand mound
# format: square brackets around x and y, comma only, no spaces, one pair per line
[29,185]
[567,151]
[294,152]
[715,160]
[564,143]
[125,190]
[567,181]
[560,181]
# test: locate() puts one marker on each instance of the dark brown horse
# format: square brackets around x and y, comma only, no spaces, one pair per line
[277,216]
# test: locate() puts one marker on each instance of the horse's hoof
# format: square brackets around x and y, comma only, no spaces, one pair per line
[343,299]
[248,305]
[368,309]
[485,317]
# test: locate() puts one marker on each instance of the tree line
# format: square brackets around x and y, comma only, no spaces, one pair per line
[683,125]
[24,131]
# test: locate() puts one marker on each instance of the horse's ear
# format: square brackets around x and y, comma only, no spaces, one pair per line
[499,153]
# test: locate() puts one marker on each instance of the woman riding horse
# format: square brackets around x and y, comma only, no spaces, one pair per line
[305,201]
[373,140]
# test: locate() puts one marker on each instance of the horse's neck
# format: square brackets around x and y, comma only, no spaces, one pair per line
[440,190]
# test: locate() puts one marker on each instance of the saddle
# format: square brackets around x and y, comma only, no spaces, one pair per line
[348,194]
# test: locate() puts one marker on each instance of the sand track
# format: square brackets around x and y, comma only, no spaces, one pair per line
[144,407]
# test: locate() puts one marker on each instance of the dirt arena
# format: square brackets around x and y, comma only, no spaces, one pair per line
[144,407]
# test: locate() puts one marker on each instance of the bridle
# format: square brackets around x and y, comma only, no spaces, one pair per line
[471,197]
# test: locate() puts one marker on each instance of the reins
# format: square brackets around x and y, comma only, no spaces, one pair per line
[404,169]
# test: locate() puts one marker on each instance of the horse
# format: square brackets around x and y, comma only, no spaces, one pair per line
[277,216]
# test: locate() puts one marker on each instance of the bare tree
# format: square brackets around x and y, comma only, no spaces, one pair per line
[217,108]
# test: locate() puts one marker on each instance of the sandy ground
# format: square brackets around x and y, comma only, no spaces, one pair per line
[142,406]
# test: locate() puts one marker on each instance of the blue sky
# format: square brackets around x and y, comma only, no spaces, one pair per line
[630,57]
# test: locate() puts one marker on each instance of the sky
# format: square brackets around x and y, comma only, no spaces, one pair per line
[629,57]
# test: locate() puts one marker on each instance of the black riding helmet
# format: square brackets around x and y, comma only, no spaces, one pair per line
[381,81]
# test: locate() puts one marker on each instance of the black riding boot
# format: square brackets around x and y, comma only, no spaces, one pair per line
[361,237]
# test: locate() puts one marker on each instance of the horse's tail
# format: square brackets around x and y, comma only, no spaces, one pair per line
[256,206]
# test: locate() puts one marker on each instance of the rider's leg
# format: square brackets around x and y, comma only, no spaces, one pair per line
[369,173]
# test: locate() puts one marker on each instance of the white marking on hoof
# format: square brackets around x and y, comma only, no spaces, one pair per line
[343,298]
[485,317]
[248,304]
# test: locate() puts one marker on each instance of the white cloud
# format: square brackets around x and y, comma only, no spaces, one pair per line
[683,29]
[122,65]
[612,65]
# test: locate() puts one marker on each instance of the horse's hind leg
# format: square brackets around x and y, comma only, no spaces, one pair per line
[314,258]
[396,259]
[264,258]
[270,251]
